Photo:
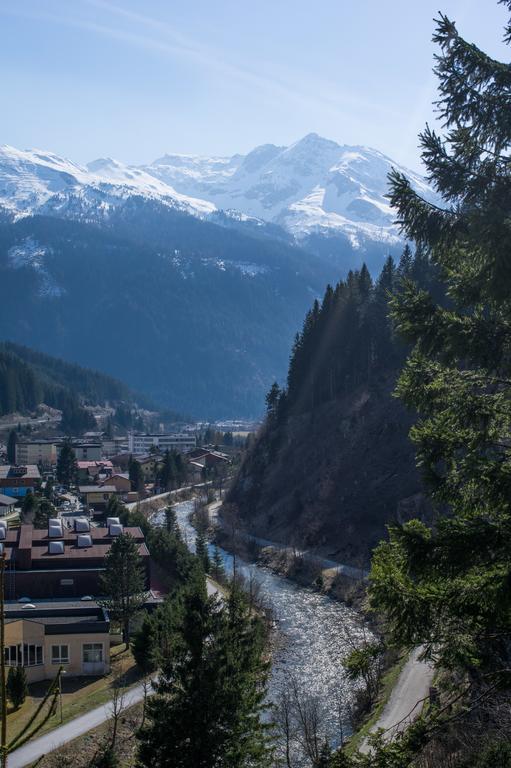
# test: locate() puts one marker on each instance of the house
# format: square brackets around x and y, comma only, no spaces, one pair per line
[51,634]
[150,465]
[140,445]
[7,504]
[195,472]
[40,452]
[58,563]
[97,496]
[89,470]
[18,481]
[121,482]
[210,459]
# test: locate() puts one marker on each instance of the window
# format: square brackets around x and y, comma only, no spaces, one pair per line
[32,655]
[11,655]
[60,654]
[92,653]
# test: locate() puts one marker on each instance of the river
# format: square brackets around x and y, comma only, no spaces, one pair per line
[312,636]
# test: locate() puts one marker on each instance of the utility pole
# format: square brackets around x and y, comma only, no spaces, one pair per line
[3,740]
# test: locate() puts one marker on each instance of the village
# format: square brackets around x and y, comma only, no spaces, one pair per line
[63,501]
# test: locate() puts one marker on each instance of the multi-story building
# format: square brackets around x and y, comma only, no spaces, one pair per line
[18,481]
[58,563]
[85,450]
[142,444]
[40,452]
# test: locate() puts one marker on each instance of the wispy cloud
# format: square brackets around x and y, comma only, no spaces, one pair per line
[161,38]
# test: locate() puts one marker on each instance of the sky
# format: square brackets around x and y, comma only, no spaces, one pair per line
[134,79]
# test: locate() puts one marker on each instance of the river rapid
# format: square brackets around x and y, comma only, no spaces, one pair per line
[311,636]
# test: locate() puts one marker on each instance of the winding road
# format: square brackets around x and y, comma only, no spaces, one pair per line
[405,701]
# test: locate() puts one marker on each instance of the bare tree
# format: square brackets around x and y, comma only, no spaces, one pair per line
[118,709]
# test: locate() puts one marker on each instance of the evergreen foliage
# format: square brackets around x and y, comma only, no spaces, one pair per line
[347,339]
[17,688]
[11,447]
[29,378]
[123,582]
[210,696]
[201,550]
[66,464]
[447,587]
[172,472]
[136,475]
[42,512]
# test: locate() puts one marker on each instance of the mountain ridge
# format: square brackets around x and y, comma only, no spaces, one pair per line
[313,188]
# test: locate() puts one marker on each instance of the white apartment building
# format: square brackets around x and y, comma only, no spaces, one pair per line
[40,452]
[139,445]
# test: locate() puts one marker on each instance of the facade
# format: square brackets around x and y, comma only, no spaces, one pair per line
[18,481]
[84,450]
[53,634]
[40,452]
[97,496]
[7,504]
[150,465]
[121,482]
[139,445]
[57,563]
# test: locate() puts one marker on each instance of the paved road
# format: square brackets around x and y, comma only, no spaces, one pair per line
[42,745]
[324,562]
[167,495]
[403,705]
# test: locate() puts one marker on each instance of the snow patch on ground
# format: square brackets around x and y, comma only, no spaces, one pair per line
[32,255]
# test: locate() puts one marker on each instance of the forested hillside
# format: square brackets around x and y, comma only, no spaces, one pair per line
[333,463]
[199,316]
[29,378]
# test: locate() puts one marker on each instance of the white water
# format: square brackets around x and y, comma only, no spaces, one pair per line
[312,642]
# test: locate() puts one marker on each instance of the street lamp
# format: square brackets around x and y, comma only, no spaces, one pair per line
[62,671]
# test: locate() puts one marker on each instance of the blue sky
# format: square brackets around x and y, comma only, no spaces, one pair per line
[133,80]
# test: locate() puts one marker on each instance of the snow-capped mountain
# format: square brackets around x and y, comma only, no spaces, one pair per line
[32,181]
[313,186]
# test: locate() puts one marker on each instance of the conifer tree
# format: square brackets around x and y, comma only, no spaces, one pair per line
[447,588]
[11,447]
[210,696]
[123,582]
[217,566]
[17,688]
[66,464]
[136,475]
[201,550]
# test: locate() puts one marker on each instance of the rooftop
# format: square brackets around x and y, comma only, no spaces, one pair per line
[29,471]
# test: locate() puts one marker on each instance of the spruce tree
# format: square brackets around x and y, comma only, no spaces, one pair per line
[66,464]
[447,587]
[11,447]
[123,582]
[217,566]
[210,696]
[136,475]
[201,550]
[17,688]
